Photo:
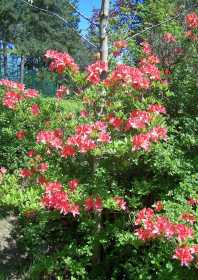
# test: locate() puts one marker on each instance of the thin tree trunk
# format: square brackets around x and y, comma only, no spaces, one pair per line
[104,18]
[5,61]
[22,68]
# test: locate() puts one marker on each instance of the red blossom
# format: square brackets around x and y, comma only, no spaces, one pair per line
[93,204]
[31,153]
[20,135]
[11,99]
[157,108]
[68,151]
[25,172]
[124,74]
[43,167]
[138,119]
[192,20]
[183,255]
[73,184]
[141,141]
[49,137]
[62,91]
[158,206]
[183,232]
[61,62]
[35,109]
[147,49]
[121,203]
[95,70]
[31,93]
[10,85]
[144,214]
[169,37]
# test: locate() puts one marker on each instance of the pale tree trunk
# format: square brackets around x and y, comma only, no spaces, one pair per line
[5,61]
[104,19]
[22,68]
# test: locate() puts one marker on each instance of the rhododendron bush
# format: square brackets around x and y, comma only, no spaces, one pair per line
[103,171]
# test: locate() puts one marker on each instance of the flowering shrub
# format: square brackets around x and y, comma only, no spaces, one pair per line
[96,168]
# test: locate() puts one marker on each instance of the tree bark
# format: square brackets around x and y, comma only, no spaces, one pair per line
[5,61]
[22,68]
[104,19]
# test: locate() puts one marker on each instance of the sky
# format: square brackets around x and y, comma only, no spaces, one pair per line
[86,7]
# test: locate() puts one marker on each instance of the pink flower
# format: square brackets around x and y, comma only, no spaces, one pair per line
[3,170]
[25,172]
[68,151]
[95,70]
[43,167]
[144,234]
[124,74]
[74,209]
[61,91]
[116,122]
[31,153]
[158,206]
[20,135]
[52,138]
[192,20]
[183,232]
[183,255]
[104,137]
[141,141]
[169,37]
[121,203]
[158,133]
[10,85]
[84,114]
[52,187]
[138,119]
[35,110]
[61,62]
[11,99]
[146,47]
[144,214]
[31,93]
[157,108]
[73,184]
[93,204]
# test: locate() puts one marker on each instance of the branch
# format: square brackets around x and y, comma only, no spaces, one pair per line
[50,13]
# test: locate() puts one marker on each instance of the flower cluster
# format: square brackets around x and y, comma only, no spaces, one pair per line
[56,198]
[138,119]
[51,138]
[124,74]
[95,71]
[62,91]
[169,37]
[61,62]
[192,20]
[88,136]
[152,226]
[15,92]
[92,204]
[144,140]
